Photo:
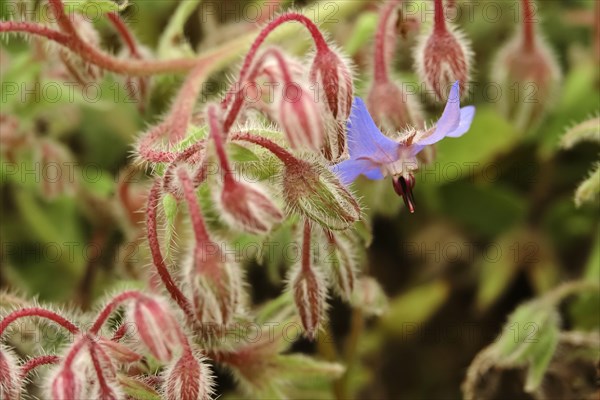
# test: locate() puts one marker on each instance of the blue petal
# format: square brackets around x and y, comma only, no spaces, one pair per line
[365,140]
[466,117]
[349,170]
[450,119]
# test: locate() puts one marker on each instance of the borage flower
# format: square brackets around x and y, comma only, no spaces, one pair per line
[376,156]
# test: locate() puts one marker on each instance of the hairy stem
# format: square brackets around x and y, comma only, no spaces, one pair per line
[110,307]
[125,33]
[198,224]
[528,26]
[382,49]
[285,156]
[37,312]
[35,29]
[440,19]
[306,267]
[217,137]
[157,257]
[37,362]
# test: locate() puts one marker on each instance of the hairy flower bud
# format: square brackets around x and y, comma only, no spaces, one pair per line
[443,57]
[332,77]
[156,327]
[312,190]
[310,294]
[247,207]
[300,117]
[530,77]
[70,379]
[9,375]
[369,296]
[393,109]
[215,284]
[188,378]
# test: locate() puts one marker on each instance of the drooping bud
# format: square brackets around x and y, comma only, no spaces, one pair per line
[247,207]
[340,264]
[393,109]
[156,327]
[215,284]
[312,190]
[443,57]
[300,117]
[309,288]
[9,375]
[528,72]
[331,76]
[105,386]
[188,378]
[70,378]
[369,296]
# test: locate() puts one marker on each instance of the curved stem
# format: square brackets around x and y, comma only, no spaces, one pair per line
[194,209]
[440,19]
[37,362]
[110,307]
[125,33]
[157,257]
[381,56]
[217,137]
[285,156]
[35,29]
[105,389]
[37,312]
[528,25]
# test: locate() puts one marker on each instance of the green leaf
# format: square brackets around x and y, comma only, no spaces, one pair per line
[87,7]
[415,307]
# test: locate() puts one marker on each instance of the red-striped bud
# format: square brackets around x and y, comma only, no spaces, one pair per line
[71,378]
[156,327]
[9,375]
[341,264]
[188,378]
[248,207]
[310,293]
[332,77]
[443,57]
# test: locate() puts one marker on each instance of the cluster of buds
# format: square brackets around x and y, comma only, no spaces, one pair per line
[527,63]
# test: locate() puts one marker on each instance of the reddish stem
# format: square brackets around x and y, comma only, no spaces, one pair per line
[217,137]
[34,29]
[382,52]
[125,33]
[320,45]
[37,312]
[157,257]
[306,247]
[285,156]
[194,209]
[119,333]
[528,25]
[104,387]
[110,307]
[440,19]
[37,362]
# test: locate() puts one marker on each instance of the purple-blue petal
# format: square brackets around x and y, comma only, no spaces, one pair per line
[466,117]
[347,171]
[365,140]
[450,119]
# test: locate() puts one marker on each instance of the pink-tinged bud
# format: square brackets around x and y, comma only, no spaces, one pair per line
[156,327]
[71,379]
[247,207]
[529,76]
[10,385]
[332,77]
[215,284]
[341,265]
[300,117]
[312,190]
[118,351]
[310,293]
[189,378]
[393,109]
[105,385]
[443,57]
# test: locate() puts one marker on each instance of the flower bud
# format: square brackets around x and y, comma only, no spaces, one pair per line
[442,58]
[157,328]
[315,192]
[310,293]
[189,378]
[118,351]
[9,375]
[392,109]
[105,386]
[216,285]
[55,160]
[300,117]
[332,77]
[247,207]
[369,296]
[71,378]
[530,77]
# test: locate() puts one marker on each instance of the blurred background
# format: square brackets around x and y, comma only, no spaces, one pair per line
[496,221]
